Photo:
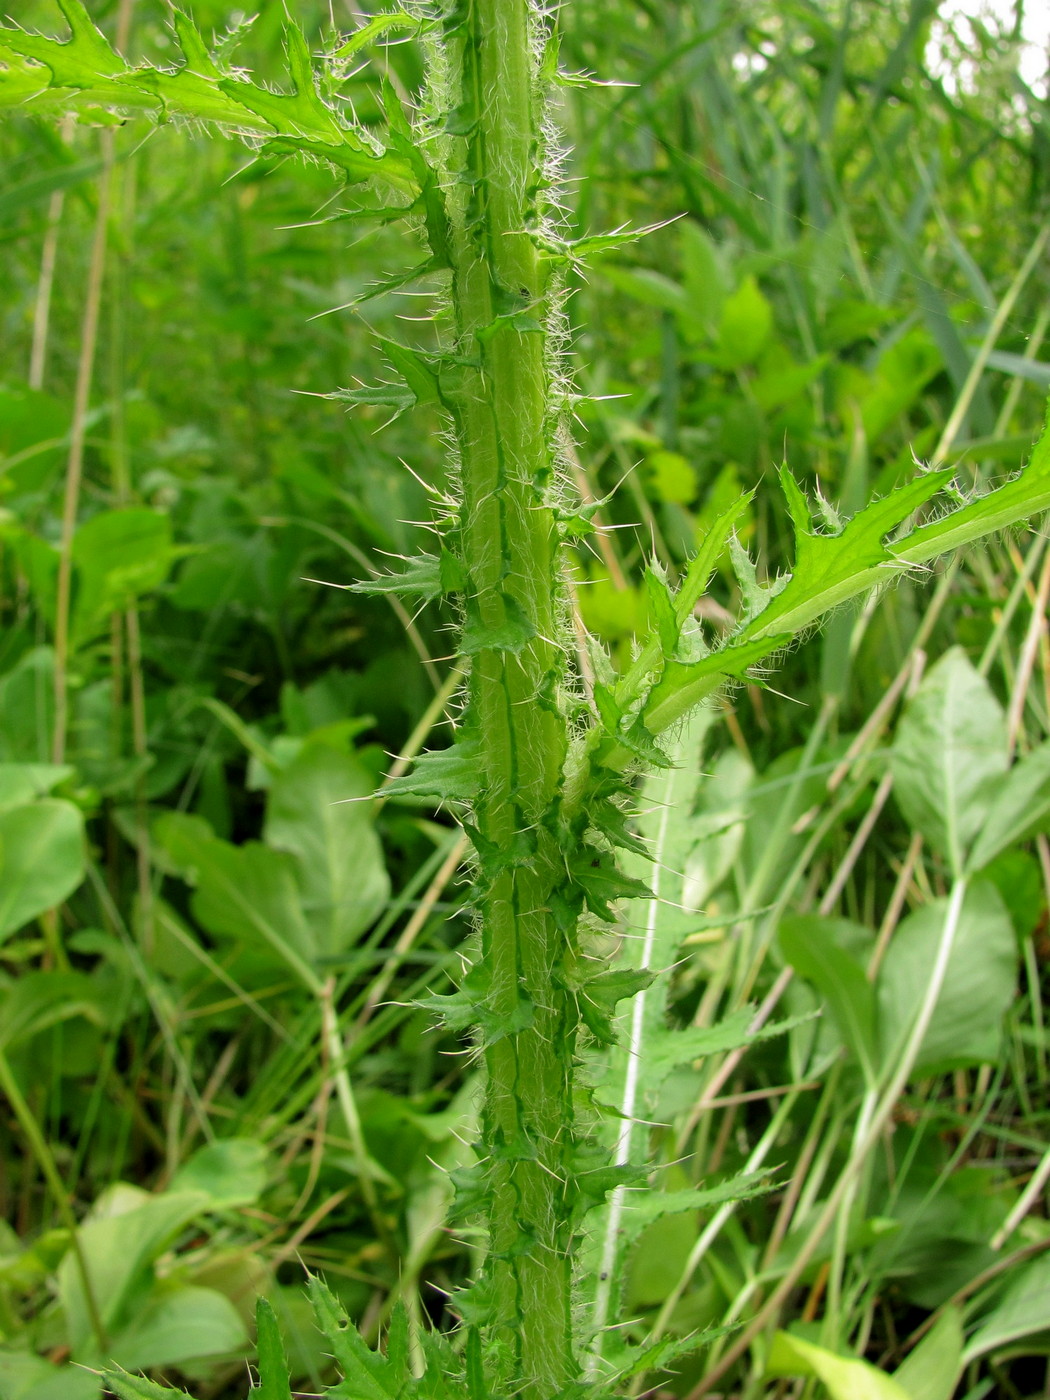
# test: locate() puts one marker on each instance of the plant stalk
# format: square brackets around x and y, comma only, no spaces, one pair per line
[509,543]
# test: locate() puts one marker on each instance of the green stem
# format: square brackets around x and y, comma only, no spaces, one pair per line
[509,542]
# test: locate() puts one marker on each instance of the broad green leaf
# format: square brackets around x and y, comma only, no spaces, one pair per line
[949,756]
[978,987]
[20,783]
[1023,1310]
[744,324]
[249,893]
[24,1376]
[273,1367]
[312,814]
[845,1378]
[231,1172]
[1019,808]
[128,1232]
[177,1325]
[931,1371]
[38,1000]
[41,860]
[119,556]
[810,946]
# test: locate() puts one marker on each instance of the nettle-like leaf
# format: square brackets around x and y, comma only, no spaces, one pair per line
[830,569]
[85,73]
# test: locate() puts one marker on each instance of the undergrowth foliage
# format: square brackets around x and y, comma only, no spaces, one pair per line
[542,767]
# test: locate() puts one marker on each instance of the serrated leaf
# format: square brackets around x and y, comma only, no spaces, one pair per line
[643,1207]
[695,1042]
[597,875]
[374,29]
[368,1376]
[663,611]
[273,1366]
[599,996]
[512,633]
[451,774]
[421,578]
[129,1387]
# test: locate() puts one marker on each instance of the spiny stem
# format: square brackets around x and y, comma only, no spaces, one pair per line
[509,544]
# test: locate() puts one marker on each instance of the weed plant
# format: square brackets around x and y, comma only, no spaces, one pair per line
[551,729]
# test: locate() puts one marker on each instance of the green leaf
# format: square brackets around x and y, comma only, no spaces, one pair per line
[949,756]
[374,29]
[663,611]
[449,774]
[599,996]
[177,1325]
[120,1248]
[138,1387]
[931,1371]
[20,783]
[274,1382]
[845,1378]
[643,1207]
[368,1376]
[421,578]
[312,812]
[38,1000]
[731,1033]
[1019,808]
[119,556]
[1021,1311]
[744,325]
[24,1376]
[249,893]
[41,860]
[301,111]
[231,1172]
[596,874]
[979,985]
[810,946]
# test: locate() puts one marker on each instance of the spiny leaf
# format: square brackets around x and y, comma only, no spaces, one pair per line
[421,578]
[374,29]
[449,774]
[273,1365]
[599,996]
[128,1387]
[512,633]
[596,874]
[368,1376]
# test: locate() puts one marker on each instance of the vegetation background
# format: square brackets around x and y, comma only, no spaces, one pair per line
[210,1043]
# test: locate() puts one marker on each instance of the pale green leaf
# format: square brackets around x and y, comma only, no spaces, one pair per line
[978,987]
[41,860]
[844,1377]
[949,756]
[1019,808]
[931,1371]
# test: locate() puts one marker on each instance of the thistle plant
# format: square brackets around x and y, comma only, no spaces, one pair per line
[541,770]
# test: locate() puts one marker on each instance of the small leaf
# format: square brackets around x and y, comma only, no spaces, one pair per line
[1019,808]
[42,860]
[599,996]
[421,578]
[274,1383]
[512,633]
[663,611]
[809,945]
[368,1375]
[448,774]
[845,1378]
[596,874]
[138,1388]
[949,756]
[931,1371]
